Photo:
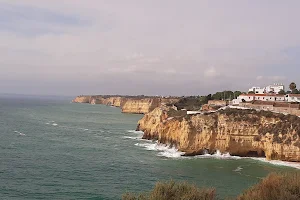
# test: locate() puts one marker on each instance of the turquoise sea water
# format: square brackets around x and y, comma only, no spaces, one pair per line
[52,149]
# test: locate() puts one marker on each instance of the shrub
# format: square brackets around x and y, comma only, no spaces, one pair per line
[275,187]
[172,190]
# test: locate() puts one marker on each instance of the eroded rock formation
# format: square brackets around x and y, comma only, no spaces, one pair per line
[137,105]
[239,132]
[82,99]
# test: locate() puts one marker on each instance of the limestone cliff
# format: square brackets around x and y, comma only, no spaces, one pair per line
[128,104]
[140,106]
[82,99]
[239,132]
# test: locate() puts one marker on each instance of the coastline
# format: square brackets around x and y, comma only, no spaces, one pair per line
[158,121]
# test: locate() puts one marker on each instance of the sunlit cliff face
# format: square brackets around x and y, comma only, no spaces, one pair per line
[239,132]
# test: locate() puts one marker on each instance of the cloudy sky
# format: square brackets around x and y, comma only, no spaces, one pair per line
[151,47]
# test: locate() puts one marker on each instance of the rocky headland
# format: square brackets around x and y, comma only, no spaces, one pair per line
[128,104]
[247,133]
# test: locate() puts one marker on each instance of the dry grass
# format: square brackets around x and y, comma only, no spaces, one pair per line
[172,190]
[275,187]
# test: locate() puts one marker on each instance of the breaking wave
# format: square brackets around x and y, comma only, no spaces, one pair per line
[238,169]
[20,133]
[163,150]
[279,162]
[218,155]
[137,132]
[134,135]
[172,152]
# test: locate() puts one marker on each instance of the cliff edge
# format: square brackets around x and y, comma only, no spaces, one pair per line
[138,105]
[238,132]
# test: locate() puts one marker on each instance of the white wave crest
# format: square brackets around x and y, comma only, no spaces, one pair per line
[21,134]
[137,132]
[54,124]
[134,135]
[164,150]
[218,155]
[279,162]
[238,169]
[133,138]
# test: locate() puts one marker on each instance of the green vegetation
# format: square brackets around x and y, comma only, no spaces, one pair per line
[195,102]
[292,86]
[172,190]
[295,91]
[276,186]
[189,103]
[282,92]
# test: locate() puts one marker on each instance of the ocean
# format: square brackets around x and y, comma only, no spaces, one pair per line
[53,149]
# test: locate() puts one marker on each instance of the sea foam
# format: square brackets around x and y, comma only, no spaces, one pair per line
[172,152]
[279,162]
[134,135]
[164,150]
[218,155]
[21,134]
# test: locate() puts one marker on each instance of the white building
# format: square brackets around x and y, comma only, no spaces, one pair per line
[260,97]
[292,97]
[257,90]
[275,88]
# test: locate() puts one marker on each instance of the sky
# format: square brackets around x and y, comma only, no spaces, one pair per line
[150,47]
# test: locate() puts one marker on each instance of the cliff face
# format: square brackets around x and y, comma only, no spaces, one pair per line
[82,99]
[239,132]
[127,104]
[140,106]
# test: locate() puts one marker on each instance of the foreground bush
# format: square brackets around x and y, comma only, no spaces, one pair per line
[275,187]
[174,191]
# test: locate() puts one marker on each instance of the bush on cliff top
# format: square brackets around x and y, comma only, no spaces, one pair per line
[274,187]
[174,191]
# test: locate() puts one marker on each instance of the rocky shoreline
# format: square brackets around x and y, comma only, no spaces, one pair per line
[245,133]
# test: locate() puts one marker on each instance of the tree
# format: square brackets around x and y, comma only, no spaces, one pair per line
[293,86]
[237,93]
[250,92]
[218,96]
[295,91]
[281,92]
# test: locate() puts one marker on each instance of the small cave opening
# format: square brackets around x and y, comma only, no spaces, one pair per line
[260,153]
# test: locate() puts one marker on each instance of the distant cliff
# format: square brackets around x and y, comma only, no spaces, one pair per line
[82,99]
[138,105]
[239,132]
